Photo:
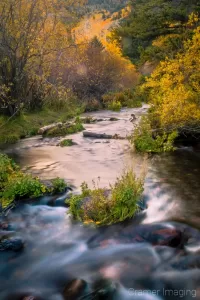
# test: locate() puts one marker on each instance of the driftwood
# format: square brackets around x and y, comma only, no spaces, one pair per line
[48,127]
[101,135]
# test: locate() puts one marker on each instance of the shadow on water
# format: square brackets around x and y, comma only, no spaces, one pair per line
[154,256]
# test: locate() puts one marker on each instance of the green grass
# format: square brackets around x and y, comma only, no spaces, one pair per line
[66,143]
[64,130]
[97,207]
[143,140]
[16,185]
[28,124]
[59,185]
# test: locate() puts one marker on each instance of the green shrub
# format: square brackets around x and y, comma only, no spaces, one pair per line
[144,141]
[59,185]
[66,143]
[15,185]
[114,105]
[22,185]
[102,207]
[127,98]
[7,168]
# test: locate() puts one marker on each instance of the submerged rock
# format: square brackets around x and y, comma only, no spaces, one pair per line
[12,244]
[74,289]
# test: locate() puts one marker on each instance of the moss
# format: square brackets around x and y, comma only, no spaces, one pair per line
[66,143]
[64,130]
[101,207]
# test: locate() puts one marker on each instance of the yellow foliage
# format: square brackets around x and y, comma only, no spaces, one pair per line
[175,86]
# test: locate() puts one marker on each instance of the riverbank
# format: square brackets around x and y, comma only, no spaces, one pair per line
[28,124]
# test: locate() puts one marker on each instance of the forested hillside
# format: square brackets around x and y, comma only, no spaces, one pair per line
[172,21]
[109,5]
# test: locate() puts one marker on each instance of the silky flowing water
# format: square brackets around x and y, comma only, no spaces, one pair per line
[154,256]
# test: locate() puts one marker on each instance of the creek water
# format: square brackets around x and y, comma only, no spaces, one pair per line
[154,256]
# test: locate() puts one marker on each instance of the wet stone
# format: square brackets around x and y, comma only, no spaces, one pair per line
[75,289]
[12,244]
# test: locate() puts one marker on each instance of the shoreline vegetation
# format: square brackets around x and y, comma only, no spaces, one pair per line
[100,206]
[27,124]
[16,185]
[97,206]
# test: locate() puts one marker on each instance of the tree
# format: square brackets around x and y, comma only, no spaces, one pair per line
[174,88]
[149,20]
[31,38]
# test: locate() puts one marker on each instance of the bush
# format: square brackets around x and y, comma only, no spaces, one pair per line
[144,141]
[21,185]
[92,105]
[115,105]
[59,185]
[7,168]
[128,98]
[15,185]
[104,207]
[66,143]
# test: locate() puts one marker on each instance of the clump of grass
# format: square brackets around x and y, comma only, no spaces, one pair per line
[144,141]
[101,207]
[15,185]
[59,185]
[66,143]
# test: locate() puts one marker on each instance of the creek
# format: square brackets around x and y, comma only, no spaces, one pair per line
[156,255]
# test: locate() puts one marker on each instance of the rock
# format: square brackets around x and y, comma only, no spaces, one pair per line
[74,289]
[104,289]
[12,244]
[113,119]
[160,234]
[101,135]
[29,298]
[48,127]
[133,118]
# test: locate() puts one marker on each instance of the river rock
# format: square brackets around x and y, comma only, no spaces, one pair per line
[95,135]
[12,244]
[74,289]
[155,234]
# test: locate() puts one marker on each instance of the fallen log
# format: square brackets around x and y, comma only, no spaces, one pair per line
[48,127]
[102,135]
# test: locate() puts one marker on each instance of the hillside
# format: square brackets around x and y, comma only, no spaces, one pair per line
[109,5]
